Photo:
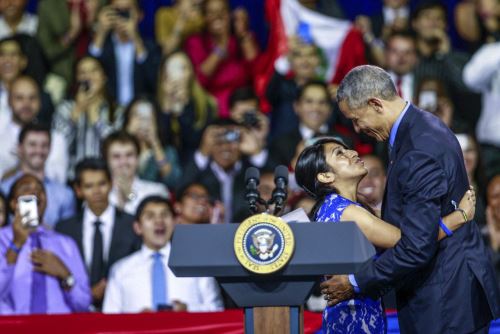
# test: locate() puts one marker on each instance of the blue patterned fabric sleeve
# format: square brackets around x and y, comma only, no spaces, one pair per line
[332,208]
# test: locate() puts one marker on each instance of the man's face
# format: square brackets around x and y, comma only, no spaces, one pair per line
[194,206]
[373,184]
[123,160]
[24,101]
[155,225]
[428,21]
[29,185]
[12,8]
[227,153]
[493,196]
[313,108]
[367,120]
[94,188]
[12,61]
[304,61]
[34,150]
[395,3]
[401,55]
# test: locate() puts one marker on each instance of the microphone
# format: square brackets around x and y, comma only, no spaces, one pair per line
[252,195]
[280,193]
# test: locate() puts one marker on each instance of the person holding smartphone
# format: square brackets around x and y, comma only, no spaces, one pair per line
[41,270]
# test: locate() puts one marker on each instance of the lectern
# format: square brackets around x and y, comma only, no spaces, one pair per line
[272,302]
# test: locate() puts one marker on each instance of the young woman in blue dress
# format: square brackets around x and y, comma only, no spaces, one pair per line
[330,172]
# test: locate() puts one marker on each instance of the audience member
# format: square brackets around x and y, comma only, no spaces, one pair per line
[42,271]
[194,206]
[313,108]
[400,61]
[493,222]
[24,101]
[129,62]
[372,186]
[304,60]
[482,74]
[439,61]
[15,19]
[223,61]
[431,95]
[121,151]
[186,107]
[33,150]
[475,173]
[175,23]
[89,116]
[158,160]
[220,164]
[15,53]
[144,282]
[103,233]
[3,210]
[244,110]
[64,29]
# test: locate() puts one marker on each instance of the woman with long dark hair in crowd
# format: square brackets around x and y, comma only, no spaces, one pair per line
[330,172]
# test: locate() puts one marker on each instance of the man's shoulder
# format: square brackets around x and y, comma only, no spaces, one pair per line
[150,187]
[126,264]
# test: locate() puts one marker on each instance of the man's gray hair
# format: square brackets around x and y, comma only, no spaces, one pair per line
[365,82]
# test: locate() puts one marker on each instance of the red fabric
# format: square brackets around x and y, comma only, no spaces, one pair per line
[228,322]
[233,72]
[399,81]
[352,54]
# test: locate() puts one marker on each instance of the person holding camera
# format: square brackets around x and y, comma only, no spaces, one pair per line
[90,116]
[129,62]
[220,164]
[41,271]
[143,281]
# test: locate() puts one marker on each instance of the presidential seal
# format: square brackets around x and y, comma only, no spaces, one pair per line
[263,243]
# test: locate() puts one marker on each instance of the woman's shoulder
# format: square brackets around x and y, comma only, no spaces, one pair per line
[332,208]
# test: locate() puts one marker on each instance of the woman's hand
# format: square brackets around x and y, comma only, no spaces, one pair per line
[468,203]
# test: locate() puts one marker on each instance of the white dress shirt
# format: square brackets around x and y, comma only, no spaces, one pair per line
[130,290]
[482,74]
[28,26]
[390,14]
[140,190]
[108,222]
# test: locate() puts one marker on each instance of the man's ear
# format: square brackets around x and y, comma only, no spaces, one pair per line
[327,177]
[137,228]
[78,191]
[376,104]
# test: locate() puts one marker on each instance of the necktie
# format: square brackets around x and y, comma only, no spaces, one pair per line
[38,303]
[399,82]
[159,281]
[97,266]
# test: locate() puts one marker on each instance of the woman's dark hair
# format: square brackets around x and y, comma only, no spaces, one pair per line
[310,163]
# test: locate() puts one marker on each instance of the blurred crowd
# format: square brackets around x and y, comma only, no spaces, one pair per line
[122,133]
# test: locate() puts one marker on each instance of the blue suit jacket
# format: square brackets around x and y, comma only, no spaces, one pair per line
[441,287]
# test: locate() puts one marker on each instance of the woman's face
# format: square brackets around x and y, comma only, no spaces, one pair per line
[141,120]
[90,71]
[195,205]
[469,150]
[217,17]
[345,164]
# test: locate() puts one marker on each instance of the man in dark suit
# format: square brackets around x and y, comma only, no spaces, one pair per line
[441,287]
[130,62]
[313,108]
[103,234]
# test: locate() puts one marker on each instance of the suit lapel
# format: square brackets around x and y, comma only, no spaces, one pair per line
[78,233]
[115,238]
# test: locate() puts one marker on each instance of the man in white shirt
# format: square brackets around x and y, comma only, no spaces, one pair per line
[144,282]
[482,74]
[121,151]
[25,104]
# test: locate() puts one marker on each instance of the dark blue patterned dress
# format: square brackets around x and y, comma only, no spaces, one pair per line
[358,315]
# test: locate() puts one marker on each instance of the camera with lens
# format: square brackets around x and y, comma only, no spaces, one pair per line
[230,136]
[250,119]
